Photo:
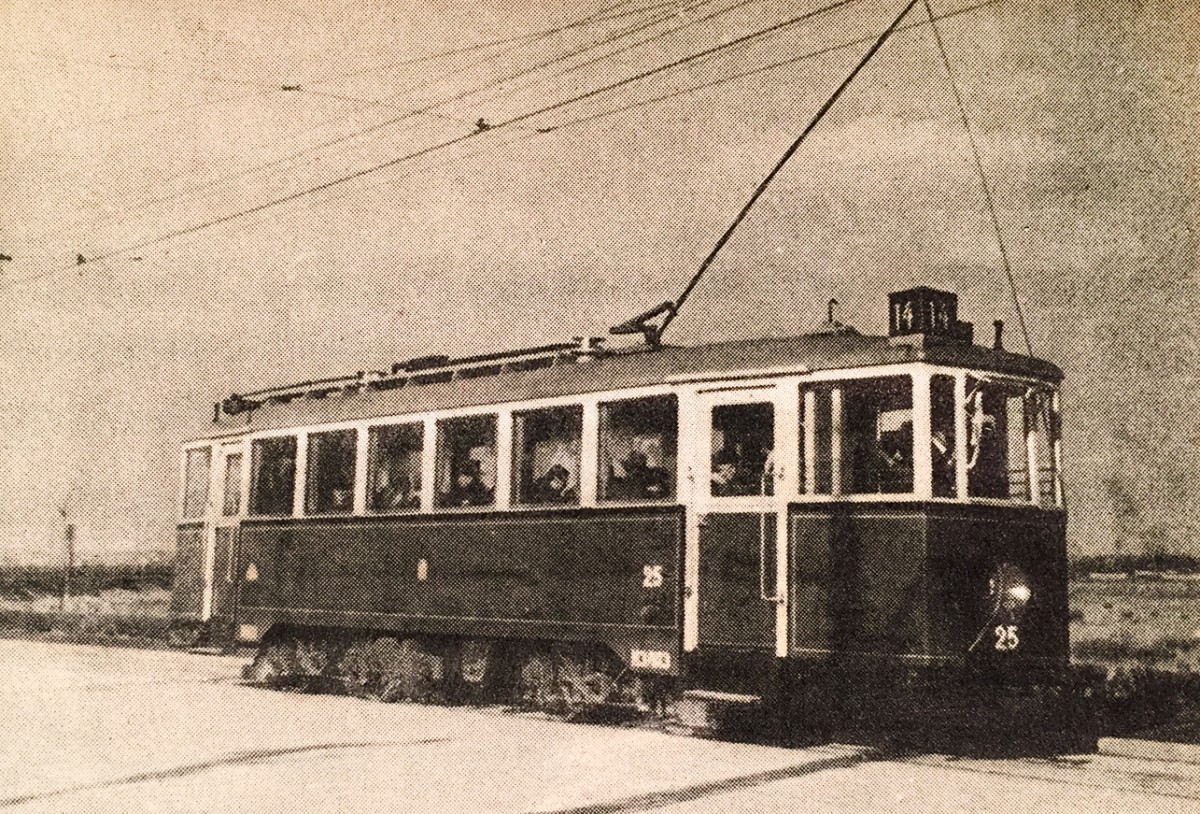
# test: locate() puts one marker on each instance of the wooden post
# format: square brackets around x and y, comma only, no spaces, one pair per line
[70,541]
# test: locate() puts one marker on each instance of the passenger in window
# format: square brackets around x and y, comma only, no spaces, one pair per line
[942,448]
[726,475]
[742,471]
[278,486]
[397,492]
[553,487]
[895,447]
[641,481]
[469,488]
[755,464]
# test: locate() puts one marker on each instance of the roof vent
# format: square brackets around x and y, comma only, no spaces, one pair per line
[832,326]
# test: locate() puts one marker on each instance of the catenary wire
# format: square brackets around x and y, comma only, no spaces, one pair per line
[646,40]
[595,17]
[670,32]
[699,55]
[427,111]
[808,55]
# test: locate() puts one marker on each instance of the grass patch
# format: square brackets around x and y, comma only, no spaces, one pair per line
[109,603]
[87,579]
[87,628]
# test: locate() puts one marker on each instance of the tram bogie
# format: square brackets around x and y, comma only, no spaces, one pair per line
[817,523]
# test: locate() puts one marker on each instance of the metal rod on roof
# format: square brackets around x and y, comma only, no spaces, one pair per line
[673,311]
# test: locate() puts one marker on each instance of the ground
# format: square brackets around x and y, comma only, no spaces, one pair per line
[116,730]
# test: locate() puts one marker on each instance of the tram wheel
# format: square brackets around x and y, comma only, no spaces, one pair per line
[581,683]
[312,657]
[535,685]
[184,634]
[275,661]
[391,669]
[408,671]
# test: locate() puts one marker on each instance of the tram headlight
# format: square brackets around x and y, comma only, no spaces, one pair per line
[1009,589]
[1020,594]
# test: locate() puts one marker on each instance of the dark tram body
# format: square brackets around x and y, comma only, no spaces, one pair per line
[739,520]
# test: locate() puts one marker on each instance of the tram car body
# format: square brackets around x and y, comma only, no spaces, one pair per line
[742,519]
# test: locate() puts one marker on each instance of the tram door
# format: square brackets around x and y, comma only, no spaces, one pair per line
[225,513]
[740,518]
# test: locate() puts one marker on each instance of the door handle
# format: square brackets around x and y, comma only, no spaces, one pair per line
[774,598]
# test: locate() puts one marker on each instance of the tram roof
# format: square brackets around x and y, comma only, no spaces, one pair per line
[623,370]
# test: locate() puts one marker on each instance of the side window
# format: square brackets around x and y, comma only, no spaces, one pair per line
[743,445]
[395,467]
[546,455]
[231,503]
[942,446]
[466,461]
[197,464]
[877,436]
[823,430]
[638,448]
[816,439]
[273,475]
[331,463]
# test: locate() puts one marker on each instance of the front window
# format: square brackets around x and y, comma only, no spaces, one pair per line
[743,444]
[273,476]
[331,464]
[638,449]
[195,482]
[943,436]
[546,455]
[1011,429]
[466,461]
[395,467]
[877,436]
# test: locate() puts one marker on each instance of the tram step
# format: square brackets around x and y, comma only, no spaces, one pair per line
[719,697]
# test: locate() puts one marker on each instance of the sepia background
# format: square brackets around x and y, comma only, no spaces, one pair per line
[146,138]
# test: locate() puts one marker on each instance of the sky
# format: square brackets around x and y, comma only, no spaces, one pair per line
[222,252]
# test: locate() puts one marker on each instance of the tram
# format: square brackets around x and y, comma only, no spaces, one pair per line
[813,526]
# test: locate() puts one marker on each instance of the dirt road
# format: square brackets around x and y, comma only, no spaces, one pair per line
[107,730]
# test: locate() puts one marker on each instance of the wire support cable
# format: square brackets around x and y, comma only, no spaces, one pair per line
[405,114]
[983,182]
[711,15]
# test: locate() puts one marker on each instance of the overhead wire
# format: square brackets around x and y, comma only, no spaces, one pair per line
[596,17]
[268,87]
[983,181]
[808,55]
[593,17]
[436,80]
[669,32]
[647,40]
[420,152]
